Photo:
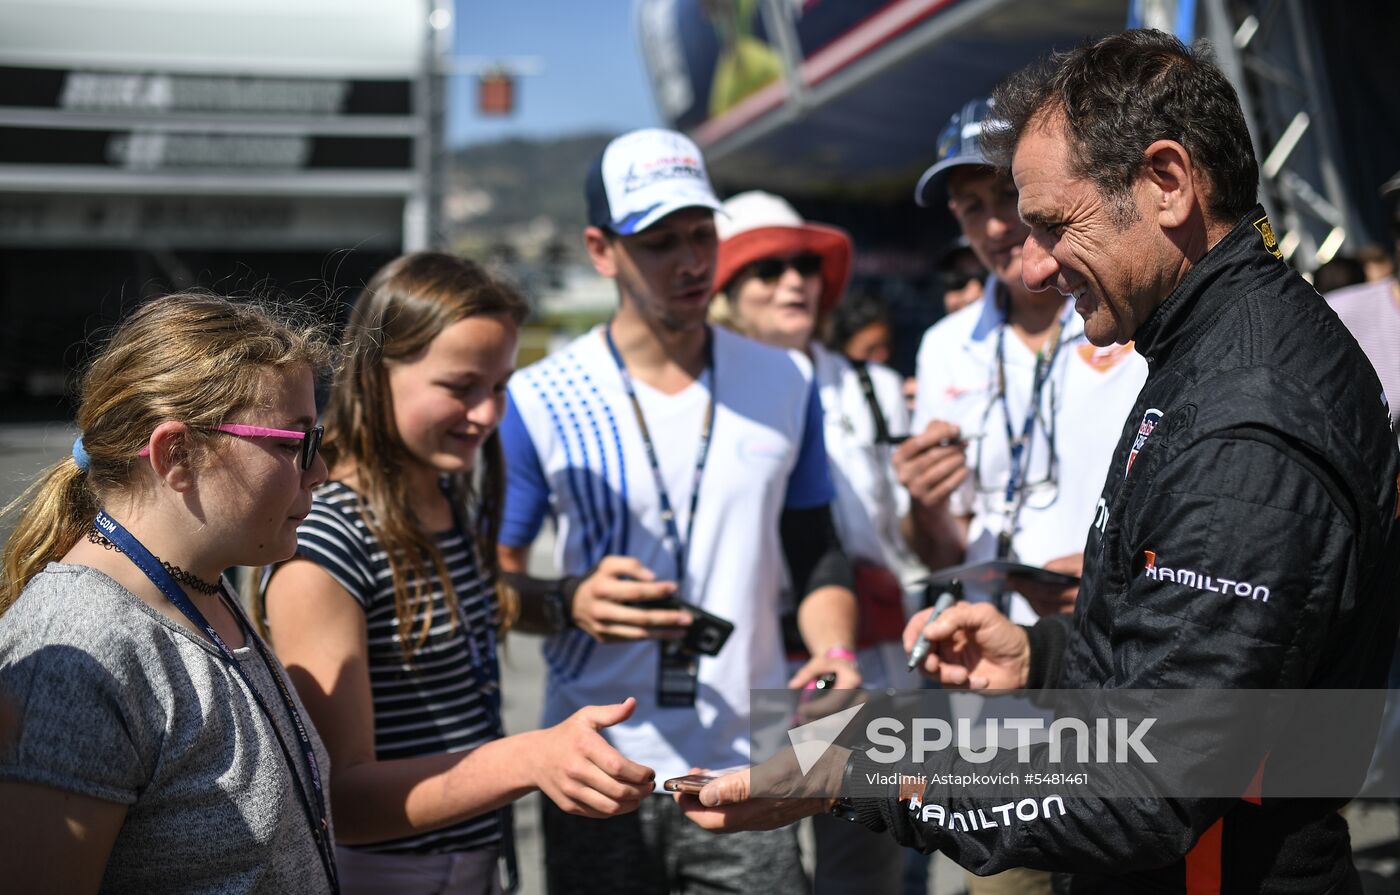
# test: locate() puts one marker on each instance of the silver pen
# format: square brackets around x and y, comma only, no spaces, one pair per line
[943,442]
[923,644]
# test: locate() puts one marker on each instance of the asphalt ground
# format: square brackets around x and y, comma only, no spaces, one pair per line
[26,449]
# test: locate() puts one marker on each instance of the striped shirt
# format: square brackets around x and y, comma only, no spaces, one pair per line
[438,702]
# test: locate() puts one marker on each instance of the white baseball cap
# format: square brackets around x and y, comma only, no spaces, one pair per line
[644,175]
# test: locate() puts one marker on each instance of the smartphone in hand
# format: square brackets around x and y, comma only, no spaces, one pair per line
[691,783]
[706,634]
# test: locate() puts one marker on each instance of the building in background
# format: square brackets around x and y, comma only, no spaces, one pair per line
[151,145]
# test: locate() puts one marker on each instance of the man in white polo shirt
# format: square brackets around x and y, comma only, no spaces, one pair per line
[678,461]
[1040,408]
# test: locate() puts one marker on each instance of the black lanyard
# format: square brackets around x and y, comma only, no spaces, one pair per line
[488,672]
[877,416]
[1020,447]
[668,515]
[315,809]
[487,669]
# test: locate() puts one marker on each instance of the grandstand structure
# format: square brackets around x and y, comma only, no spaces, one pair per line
[838,105]
[151,145]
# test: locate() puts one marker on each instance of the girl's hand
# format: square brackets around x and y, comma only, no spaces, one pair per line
[581,772]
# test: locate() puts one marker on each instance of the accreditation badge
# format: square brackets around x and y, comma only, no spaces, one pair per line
[677,676]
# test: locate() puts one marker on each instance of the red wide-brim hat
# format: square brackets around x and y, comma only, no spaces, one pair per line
[761,225]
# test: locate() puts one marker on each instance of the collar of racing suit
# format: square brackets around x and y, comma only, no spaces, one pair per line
[1234,263]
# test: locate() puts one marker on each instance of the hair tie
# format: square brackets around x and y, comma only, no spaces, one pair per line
[80,454]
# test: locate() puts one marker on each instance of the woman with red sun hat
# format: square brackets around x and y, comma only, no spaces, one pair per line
[777,276]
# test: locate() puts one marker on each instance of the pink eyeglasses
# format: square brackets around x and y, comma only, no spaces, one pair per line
[310,441]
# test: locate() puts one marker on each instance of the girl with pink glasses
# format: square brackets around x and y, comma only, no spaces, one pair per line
[149,740]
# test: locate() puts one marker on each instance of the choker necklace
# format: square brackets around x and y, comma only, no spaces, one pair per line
[209,588]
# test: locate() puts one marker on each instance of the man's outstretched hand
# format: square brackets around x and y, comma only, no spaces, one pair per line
[728,805]
[724,806]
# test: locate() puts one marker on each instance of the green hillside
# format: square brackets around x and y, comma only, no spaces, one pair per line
[508,188]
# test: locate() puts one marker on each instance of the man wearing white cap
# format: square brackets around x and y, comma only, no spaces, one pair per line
[680,462]
[778,276]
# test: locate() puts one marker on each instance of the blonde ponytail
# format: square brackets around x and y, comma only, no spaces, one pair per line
[53,513]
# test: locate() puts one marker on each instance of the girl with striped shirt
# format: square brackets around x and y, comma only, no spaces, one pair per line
[388,617]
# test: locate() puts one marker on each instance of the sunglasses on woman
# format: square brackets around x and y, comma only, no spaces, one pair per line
[954,280]
[310,441]
[769,270]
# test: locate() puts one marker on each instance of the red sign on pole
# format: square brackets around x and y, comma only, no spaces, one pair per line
[495,94]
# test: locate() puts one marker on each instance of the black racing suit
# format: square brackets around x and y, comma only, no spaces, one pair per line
[1271,462]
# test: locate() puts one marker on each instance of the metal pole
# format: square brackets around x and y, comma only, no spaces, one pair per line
[777,17]
[1324,129]
[1222,33]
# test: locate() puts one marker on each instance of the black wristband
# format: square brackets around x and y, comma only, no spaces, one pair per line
[865,810]
[568,587]
[1048,638]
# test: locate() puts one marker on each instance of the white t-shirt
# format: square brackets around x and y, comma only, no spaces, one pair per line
[1084,406]
[869,499]
[1371,311]
[574,449]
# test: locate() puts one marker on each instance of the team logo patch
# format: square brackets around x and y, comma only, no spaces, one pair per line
[947,142]
[1266,232]
[1150,419]
[677,167]
[1203,580]
[1101,360]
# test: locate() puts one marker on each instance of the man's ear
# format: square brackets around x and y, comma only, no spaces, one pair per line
[601,251]
[170,455]
[1176,188]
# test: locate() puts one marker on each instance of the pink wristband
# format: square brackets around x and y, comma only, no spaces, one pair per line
[840,652]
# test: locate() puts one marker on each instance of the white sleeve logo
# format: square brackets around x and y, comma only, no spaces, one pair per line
[1203,581]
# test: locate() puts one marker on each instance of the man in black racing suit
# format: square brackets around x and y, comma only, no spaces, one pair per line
[1246,537]
[1256,457]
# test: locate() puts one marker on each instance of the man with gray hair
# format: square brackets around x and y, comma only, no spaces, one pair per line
[1258,452]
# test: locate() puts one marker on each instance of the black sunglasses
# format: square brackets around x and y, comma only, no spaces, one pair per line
[311,446]
[769,270]
[955,280]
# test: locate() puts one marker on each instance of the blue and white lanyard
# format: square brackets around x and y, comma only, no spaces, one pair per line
[315,810]
[668,516]
[1020,447]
